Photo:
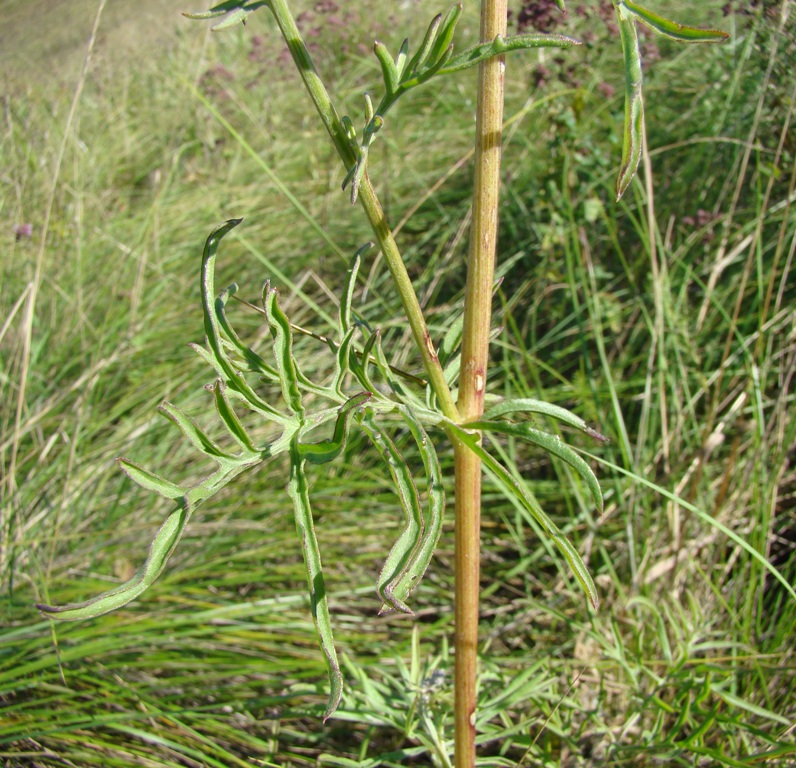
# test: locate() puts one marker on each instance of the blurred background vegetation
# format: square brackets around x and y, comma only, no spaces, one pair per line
[666,320]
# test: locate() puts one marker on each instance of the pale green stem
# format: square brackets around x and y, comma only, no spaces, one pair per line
[472,380]
[370,203]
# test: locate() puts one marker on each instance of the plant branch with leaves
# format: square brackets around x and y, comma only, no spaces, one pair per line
[311,420]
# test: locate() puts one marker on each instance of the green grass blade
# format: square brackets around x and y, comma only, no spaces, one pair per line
[705,517]
[672,29]
[258,158]
[319,603]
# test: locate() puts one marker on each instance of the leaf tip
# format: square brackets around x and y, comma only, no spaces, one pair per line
[594,434]
[622,183]
[396,607]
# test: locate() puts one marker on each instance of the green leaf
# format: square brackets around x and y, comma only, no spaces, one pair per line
[327,450]
[237,16]
[451,341]
[343,361]
[166,538]
[633,132]
[450,349]
[163,545]
[401,58]
[435,56]
[419,59]
[530,405]
[213,327]
[515,490]
[150,480]
[443,44]
[195,434]
[347,299]
[232,11]
[388,69]
[230,418]
[219,10]
[386,371]
[319,603]
[500,45]
[211,360]
[283,350]
[672,29]
[550,443]
[401,555]
[421,555]
[361,367]
[454,366]
[255,363]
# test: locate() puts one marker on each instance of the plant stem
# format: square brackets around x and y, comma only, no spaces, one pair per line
[436,376]
[312,80]
[371,205]
[472,380]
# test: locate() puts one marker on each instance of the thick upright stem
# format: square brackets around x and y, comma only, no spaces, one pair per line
[472,382]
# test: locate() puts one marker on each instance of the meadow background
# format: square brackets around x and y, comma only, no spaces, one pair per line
[666,321]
